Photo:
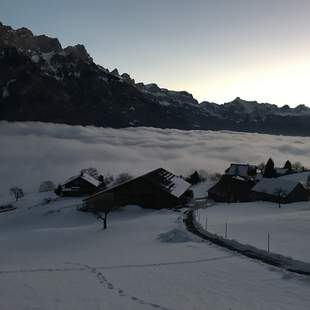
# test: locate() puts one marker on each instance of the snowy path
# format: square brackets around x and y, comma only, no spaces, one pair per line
[63,260]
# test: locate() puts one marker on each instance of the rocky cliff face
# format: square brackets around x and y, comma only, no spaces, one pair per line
[41,81]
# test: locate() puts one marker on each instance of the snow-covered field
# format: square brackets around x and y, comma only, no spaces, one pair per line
[250,223]
[33,152]
[54,257]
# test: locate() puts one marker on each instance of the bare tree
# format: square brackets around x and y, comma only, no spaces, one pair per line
[281,194]
[16,192]
[101,206]
[47,186]
[297,166]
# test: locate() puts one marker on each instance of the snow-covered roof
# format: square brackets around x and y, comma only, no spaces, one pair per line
[272,185]
[180,186]
[297,177]
[161,178]
[87,177]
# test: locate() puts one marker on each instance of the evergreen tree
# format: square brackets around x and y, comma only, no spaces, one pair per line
[194,178]
[288,165]
[269,171]
[58,190]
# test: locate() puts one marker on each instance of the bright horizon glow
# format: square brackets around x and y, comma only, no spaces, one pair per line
[216,50]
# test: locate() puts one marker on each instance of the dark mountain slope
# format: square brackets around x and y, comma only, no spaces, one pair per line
[41,81]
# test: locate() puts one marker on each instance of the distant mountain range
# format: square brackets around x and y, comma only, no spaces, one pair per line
[41,81]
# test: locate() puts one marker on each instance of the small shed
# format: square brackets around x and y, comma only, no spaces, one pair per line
[79,185]
[232,189]
[280,190]
[156,189]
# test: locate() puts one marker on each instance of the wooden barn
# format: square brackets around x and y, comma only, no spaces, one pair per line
[232,189]
[242,170]
[156,189]
[280,190]
[80,185]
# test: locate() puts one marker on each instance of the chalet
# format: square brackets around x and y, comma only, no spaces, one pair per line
[241,170]
[231,188]
[80,185]
[281,171]
[156,189]
[280,190]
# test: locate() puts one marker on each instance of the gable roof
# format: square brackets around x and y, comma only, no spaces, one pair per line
[272,185]
[85,176]
[160,178]
[167,181]
[229,182]
[240,169]
[298,176]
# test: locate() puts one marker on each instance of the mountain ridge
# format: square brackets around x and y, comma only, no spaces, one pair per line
[42,81]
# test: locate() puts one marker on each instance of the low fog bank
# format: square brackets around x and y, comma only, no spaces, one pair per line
[32,152]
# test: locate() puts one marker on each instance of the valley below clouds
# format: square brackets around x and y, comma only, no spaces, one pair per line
[32,152]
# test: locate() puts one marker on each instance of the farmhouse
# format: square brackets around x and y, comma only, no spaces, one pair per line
[242,170]
[280,190]
[156,189]
[232,188]
[281,171]
[80,185]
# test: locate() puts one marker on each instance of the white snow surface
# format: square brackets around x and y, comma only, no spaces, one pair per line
[250,223]
[55,257]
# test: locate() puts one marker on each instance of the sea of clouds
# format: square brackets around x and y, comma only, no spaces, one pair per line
[32,152]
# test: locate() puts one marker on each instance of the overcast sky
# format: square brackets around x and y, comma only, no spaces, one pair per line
[215,49]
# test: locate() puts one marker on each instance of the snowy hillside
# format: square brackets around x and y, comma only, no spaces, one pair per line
[250,223]
[54,257]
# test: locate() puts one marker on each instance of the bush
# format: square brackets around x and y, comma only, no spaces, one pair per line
[123,177]
[105,180]
[58,190]
[47,186]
